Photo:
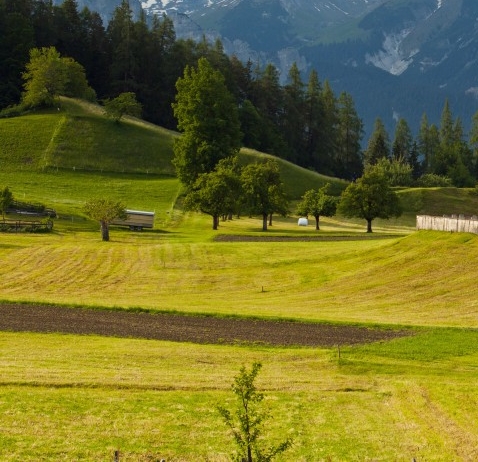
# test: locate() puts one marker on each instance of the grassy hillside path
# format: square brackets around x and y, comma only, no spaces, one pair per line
[180,328]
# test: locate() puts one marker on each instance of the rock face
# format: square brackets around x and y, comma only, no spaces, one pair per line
[412,54]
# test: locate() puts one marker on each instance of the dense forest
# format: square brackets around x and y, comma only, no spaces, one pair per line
[302,121]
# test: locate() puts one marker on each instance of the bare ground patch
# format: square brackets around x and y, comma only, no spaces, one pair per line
[305,238]
[181,328]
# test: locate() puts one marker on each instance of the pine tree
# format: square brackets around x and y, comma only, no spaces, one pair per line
[348,161]
[313,119]
[267,97]
[71,36]
[163,73]
[120,32]
[293,119]
[428,144]
[473,137]
[16,40]
[96,57]
[327,146]
[378,145]
[43,19]
[402,143]
[447,132]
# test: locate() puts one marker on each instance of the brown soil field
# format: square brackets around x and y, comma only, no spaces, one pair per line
[181,328]
[322,238]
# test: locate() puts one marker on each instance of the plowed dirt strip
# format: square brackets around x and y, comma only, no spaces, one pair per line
[177,328]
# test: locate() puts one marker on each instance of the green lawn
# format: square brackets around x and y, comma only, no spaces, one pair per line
[405,280]
[70,397]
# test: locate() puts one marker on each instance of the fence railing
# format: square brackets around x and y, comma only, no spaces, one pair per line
[25,226]
[453,223]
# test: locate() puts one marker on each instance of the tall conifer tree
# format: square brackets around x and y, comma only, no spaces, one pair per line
[314,115]
[121,34]
[348,161]
[378,145]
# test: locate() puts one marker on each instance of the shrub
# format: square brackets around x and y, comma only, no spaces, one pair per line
[432,180]
[247,423]
[398,173]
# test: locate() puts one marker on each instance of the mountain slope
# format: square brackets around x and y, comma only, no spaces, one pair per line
[397,58]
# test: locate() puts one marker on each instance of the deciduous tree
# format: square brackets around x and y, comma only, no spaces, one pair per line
[45,77]
[76,85]
[125,103]
[263,190]
[6,198]
[247,422]
[370,197]
[216,193]
[49,76]
[208,117]
[398,173]
[105,211]
[318,203]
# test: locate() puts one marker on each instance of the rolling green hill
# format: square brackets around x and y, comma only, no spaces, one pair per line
[78,137]
[66,155]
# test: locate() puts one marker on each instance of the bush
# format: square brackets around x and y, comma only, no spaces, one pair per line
[397,173]
[12,111]
[431,180]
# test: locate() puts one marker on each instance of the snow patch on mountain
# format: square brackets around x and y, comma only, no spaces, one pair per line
[149,4]
[390,58]
[472,91]
[337,8]
[199,7]
[427,63]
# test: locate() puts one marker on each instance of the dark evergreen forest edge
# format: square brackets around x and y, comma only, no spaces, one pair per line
[303,122]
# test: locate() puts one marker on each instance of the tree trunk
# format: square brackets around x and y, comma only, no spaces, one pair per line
[270,219]
[317,227]
[105,231]
[369,226]
[264,222]
[215,221]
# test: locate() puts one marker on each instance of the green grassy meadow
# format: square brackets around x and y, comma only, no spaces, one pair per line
[67,397]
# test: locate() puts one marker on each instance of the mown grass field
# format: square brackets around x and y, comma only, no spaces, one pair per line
[66,397]
[80,398]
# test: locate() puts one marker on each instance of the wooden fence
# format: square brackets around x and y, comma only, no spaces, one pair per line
[25,226]
[453,223]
